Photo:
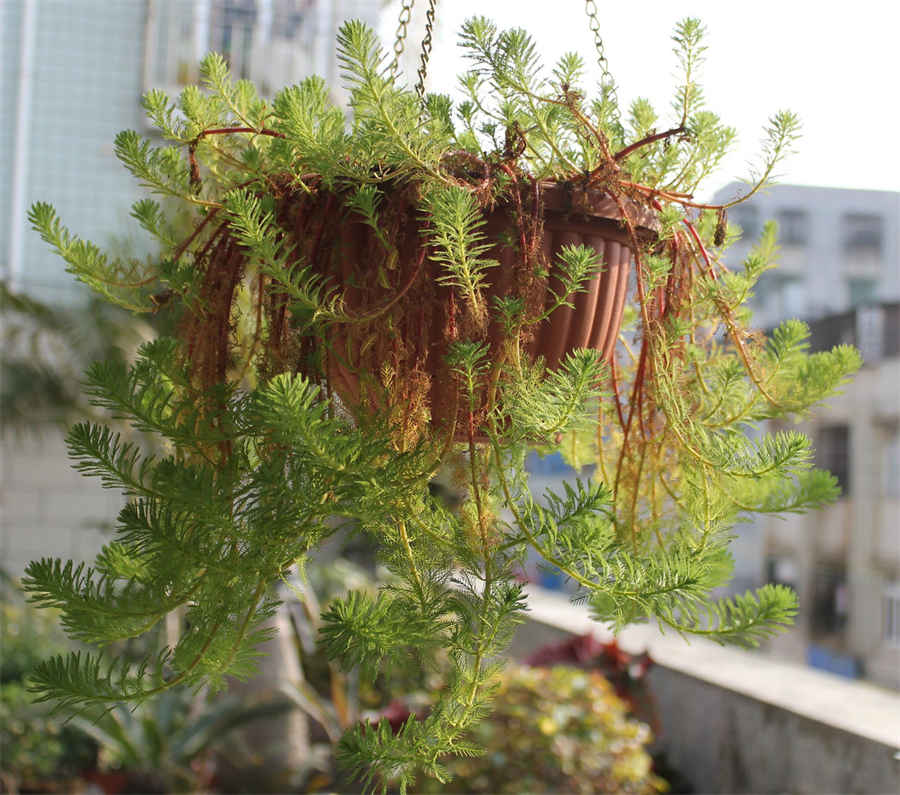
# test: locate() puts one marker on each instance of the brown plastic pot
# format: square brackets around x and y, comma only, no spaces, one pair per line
[416,318]
[590,218]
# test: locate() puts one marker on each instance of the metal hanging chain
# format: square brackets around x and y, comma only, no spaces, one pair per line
[426,50]
[606,79]
[400,40]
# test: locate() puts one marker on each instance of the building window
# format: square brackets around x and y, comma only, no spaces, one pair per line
[792,297]
[781,296]
[793,227]
[830,599]
[747,218]
[781,570]
[833,453]
[891,339]
[233,23]
[861,291]
[863,235]
[870,327]
[890,608]
[270,42]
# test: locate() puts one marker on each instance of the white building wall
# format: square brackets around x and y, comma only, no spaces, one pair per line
[820,267]
[46,507]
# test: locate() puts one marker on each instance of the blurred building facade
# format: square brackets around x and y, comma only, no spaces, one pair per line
[839,270]
[844,560]
[837,249]
[71,76]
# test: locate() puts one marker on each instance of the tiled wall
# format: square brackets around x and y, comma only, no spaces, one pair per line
[10,25]
[47,509]
[86,87]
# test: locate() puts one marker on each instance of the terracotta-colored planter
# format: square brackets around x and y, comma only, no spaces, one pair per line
[394,358]
[589,218]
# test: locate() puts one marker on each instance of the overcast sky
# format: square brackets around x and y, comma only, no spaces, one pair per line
[836,64]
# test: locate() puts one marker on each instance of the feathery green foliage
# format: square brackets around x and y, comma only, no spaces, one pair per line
[344,334]
[460,244]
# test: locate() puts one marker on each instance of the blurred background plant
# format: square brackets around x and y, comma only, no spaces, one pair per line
[38,751]
[165,744]
[559,729]
[44,351]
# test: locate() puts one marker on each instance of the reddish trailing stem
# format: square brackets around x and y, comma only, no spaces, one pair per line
[704,253]
[231,130]
[623,153]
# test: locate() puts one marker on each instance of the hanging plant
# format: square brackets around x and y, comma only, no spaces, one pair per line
[367,299]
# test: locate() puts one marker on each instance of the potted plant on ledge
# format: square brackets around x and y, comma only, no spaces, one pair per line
[369,298]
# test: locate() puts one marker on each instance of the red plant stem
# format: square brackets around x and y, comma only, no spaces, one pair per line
[636,250]
[678,198]
[230,130]
[314,254]
[692,229]
[260,285]
[623,153]
[375,313]
[452,330]
[637,403]
[193,236]
[598,134]
[234,263]
[451,434]
[195,182]
[637,390]
[471,158]
[183,247]
[519,219]
[632,402]
[203,251]
[651,192]
[614,378]
[640,403]
[674,282]
[730,325]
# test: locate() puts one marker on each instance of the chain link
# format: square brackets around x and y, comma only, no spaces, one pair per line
[606,79]
[400,40]
[426,50]
[406,6]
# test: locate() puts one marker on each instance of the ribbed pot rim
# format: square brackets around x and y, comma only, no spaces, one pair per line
[569,199]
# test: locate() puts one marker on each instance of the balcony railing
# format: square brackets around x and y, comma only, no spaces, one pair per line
[737,721]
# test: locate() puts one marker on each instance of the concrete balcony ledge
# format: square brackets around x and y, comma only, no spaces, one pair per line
[738,721]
